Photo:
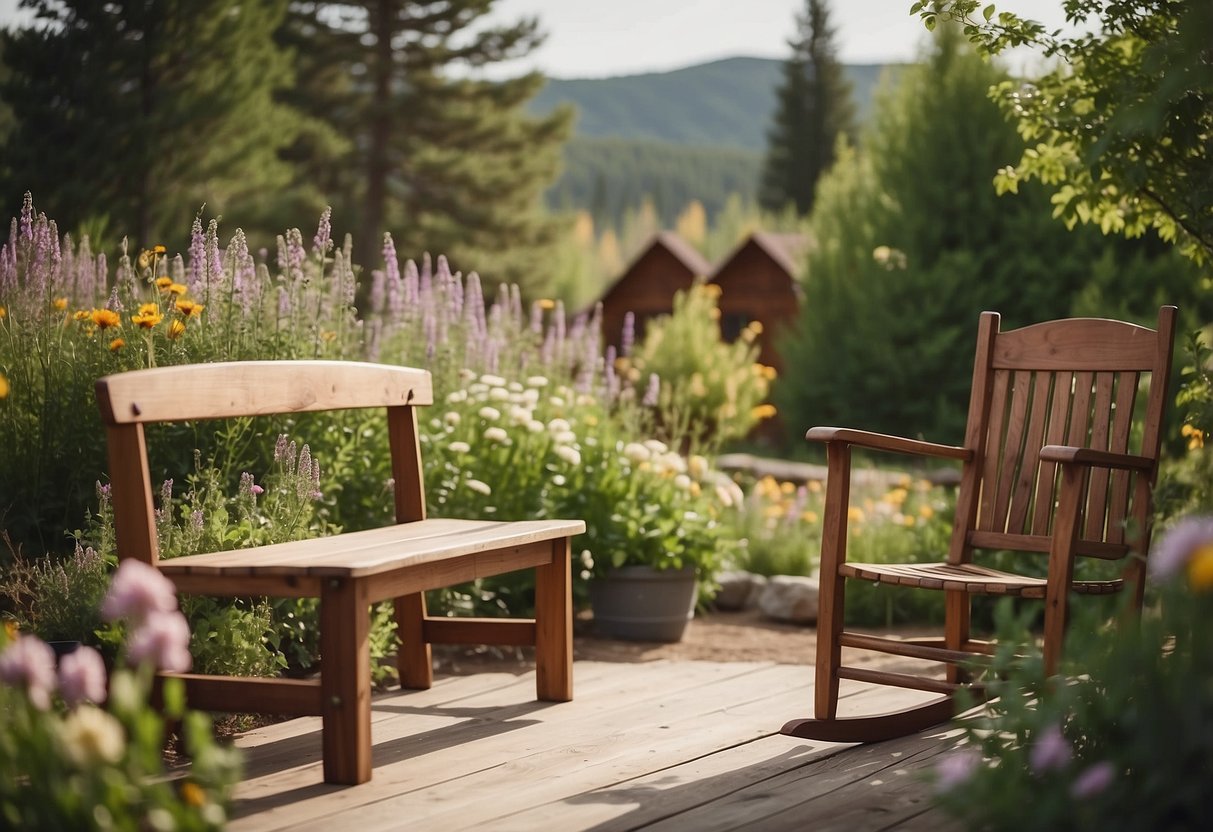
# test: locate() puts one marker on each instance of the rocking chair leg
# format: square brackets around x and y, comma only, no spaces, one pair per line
[873,728]
[956,630]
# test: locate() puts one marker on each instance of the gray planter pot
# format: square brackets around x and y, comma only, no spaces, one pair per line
[639,603]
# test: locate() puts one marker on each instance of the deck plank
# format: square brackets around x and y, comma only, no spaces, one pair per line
[682,745]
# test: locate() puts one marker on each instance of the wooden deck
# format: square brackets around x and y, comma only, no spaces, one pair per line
[652,745]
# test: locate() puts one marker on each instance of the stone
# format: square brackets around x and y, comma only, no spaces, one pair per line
[790,598]
[738,590]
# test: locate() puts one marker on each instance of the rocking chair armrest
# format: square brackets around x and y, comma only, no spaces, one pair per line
[1095,458]
[885,442]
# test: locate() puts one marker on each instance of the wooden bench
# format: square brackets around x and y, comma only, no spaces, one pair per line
[347,572]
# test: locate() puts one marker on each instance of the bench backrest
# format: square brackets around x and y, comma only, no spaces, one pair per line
[250,388]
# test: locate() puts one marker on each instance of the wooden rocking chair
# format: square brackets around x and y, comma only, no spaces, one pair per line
[1059,458]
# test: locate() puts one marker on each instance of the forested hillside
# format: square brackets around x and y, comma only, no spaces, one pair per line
[724,103]
[693,133]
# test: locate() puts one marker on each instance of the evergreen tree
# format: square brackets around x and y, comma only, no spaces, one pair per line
[912,243]
[137,112]
[446,160]
[814,107]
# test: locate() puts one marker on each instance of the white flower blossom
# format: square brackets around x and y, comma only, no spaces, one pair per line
[683,482]
[536,426]
[492,381]
[466,375]
[499,394]
[636,452]
[565,437]
[514,387]
[537,381]
[498,435]
[457,396]
[570,455]
[459,447]
[556,401]
[452,418]
[478,389]
[520,415]
[656,446]
[490,414]
[558,425]
[478,486]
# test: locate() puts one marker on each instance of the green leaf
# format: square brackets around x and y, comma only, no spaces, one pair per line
[988,12]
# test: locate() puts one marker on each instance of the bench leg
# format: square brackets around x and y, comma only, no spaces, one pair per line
[554,626]
[414,659]
[345,681]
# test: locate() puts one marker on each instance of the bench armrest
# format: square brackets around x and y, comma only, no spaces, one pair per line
[1100,459]
[885,442]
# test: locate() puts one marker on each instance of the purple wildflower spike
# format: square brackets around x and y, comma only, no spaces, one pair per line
[324,233]
[536,318]
[27,216]
[652,393]
[412,284]
[628,339]
[197,257]
[378,295]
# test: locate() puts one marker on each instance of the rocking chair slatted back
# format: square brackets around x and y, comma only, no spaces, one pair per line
[1083,383]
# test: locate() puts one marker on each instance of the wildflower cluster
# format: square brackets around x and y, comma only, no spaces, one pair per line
[533,448]
[79,751]
[1123,743]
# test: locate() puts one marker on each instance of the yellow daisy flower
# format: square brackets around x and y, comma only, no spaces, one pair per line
[189,308]
[105,318]
[59,303]
[117,344]
[175,330]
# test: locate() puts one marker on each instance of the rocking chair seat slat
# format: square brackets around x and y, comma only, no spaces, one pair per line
[966,577]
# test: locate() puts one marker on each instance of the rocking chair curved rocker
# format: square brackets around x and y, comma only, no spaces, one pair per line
[1052,466]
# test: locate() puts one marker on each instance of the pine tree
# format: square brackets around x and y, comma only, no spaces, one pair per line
[131,114]
[442,157]
[814,107]
[912,243]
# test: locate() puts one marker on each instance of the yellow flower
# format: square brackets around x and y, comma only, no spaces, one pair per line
[809,517]
[787,487]
[176,289]
[1196,437]
[3,313]
[175,330]
[105,318]
[855,514]
[159,249]
[162,283]
[763,411]
[896,497]
[192,794]
[926,512]
[117,344]
[81,314]
[1200,568]
[327,335]
[815,486]
[59,303]
[546,303]
[189,308]
[11,629]
[145,260]
[149,315]
[3,386]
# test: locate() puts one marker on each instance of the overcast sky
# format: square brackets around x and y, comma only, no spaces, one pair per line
[597,38]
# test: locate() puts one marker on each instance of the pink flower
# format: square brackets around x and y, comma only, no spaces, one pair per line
[82,677]
[136,591]
[1050,751]
[956,769]
[1093,781]
[1177,545]
[29,662]
[163,640]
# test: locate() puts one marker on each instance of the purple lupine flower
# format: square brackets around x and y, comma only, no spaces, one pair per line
[243,270]
[176,270]
[536,317]
[114,303]
[29,663]
[324,233]
[137,591]
[280,447]
[304,470]
[628,337]
[316,492]
[214,262]
[82,677]
[1172,553]
[652,393]
[284,303]
[473,309]
[395,290]
[198,519]
[1050,751]
[27,216]
[1093,780]
[197,257]
[956,769]
[162,640]
[103,492]
[612,379]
